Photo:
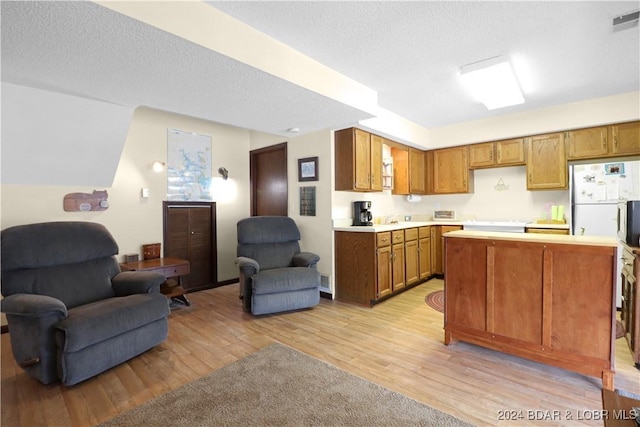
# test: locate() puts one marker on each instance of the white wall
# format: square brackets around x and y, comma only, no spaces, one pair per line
[134,220]
[72,143]
[485,203]
[315,230]
[592,112]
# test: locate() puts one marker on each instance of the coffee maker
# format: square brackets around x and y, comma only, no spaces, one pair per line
[362,213]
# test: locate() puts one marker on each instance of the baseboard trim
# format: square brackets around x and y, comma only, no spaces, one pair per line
[228,282]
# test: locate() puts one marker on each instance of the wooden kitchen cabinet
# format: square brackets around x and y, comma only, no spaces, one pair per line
[384,283]
[398,260]
[549,302]
[448,171]
[508,152]
[408,170]
[630,312]
[625,139]
[358,160]
[382,267]
[482,155]
[547,162]
[390,257]
[412,256]
[424,253]
[621,139]
[417,172]
[437,245]
[357,266]
[587,143]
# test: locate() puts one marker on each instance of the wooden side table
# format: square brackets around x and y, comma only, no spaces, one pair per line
[170,267]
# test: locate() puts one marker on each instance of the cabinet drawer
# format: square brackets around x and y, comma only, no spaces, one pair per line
[177,270]
[410,234]
[424,232]
[383,239]
[397,236]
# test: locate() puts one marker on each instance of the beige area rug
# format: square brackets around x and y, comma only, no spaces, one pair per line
[279,386]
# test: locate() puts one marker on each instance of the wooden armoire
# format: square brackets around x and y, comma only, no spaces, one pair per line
[190,233]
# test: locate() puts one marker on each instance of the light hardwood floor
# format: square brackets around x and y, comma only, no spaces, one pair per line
[398,344]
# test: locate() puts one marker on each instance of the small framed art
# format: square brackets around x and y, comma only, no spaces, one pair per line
[308,169]
[308,201]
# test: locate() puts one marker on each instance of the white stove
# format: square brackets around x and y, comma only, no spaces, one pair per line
[503,226]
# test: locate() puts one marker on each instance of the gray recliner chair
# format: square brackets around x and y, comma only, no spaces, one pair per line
[71,313]
[274,275]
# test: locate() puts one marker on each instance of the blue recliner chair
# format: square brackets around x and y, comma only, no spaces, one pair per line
[71,313]
[274,275]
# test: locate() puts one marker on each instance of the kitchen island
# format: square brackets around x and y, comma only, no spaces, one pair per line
[548,298]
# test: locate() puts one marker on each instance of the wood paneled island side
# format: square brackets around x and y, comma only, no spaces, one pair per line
[547,298]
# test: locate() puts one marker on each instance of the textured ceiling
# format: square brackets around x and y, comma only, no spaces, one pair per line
[409,52]
[83,49]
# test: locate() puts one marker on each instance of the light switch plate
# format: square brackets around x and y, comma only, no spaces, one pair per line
[145,193]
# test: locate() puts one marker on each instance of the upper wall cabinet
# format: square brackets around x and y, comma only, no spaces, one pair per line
[408,170]
[625,139]
[587,143]
[604,141]
[358,160]
[509,152]
[546,162]
[448,171]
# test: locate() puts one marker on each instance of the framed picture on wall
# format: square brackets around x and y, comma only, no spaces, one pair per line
[308,169]
[308,201]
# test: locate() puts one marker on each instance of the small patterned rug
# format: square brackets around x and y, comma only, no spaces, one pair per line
[435,300]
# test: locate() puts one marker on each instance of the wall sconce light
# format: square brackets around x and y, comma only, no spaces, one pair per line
[223,172]
[158,166]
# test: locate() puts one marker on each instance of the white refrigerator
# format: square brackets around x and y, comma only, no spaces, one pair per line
[594,193]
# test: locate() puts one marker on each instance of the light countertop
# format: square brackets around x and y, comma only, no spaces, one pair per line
[537,237]
[377,228]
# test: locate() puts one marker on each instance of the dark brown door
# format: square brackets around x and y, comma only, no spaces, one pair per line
[190,233]
[269,189]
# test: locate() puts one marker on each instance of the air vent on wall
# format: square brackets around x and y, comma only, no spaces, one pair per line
[628,20]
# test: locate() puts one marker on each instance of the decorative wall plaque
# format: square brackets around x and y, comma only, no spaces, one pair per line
[84,202]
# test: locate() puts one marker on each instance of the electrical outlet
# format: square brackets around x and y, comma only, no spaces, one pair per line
[407,217]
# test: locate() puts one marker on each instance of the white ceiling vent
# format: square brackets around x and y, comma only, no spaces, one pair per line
[628,20]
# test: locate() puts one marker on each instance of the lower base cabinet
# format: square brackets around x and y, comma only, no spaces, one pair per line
[437,245]
[373,266]
[630,313]
[547,302]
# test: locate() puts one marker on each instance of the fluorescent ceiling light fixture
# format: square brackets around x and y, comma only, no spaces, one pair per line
[492,82]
